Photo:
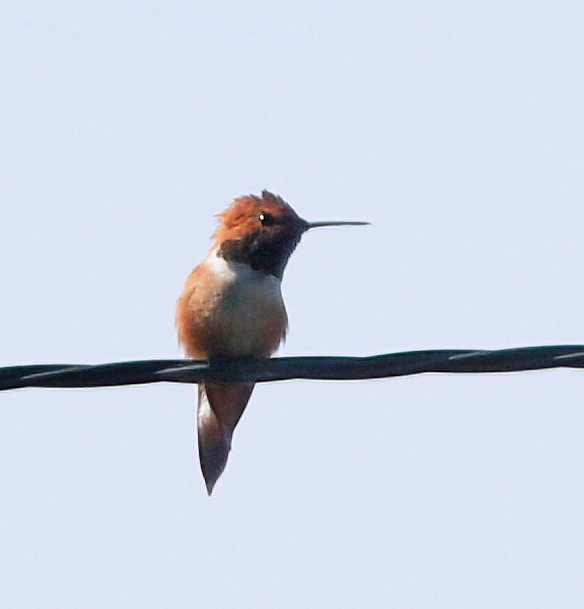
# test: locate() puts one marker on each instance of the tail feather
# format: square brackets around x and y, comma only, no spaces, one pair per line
[219,409]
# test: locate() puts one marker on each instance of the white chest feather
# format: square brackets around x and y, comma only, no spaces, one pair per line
[249,303]
[242,286]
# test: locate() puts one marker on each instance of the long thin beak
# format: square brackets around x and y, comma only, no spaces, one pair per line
[336,223]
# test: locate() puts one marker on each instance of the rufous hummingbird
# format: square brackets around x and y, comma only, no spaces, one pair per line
[232,306]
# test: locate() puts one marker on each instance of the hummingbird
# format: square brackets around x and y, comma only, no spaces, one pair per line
[232,306]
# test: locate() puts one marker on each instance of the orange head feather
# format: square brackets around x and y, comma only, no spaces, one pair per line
[260,231]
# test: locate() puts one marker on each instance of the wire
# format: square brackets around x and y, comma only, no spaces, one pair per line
[286,368]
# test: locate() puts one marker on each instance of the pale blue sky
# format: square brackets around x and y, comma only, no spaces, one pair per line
[457,129]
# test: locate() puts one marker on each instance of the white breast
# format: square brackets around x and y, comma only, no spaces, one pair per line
[250,304]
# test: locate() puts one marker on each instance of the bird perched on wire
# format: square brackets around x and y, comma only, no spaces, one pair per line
[232,306]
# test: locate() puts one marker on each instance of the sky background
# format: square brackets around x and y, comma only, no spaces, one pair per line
[457,130]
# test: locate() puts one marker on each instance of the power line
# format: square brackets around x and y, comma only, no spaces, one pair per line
[286,368]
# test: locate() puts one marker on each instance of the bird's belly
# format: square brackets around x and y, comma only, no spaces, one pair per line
[252,318]
[236,314]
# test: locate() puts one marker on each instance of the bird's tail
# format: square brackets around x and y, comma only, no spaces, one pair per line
[219,409]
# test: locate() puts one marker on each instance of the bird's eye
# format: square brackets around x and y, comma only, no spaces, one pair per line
[265,218]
